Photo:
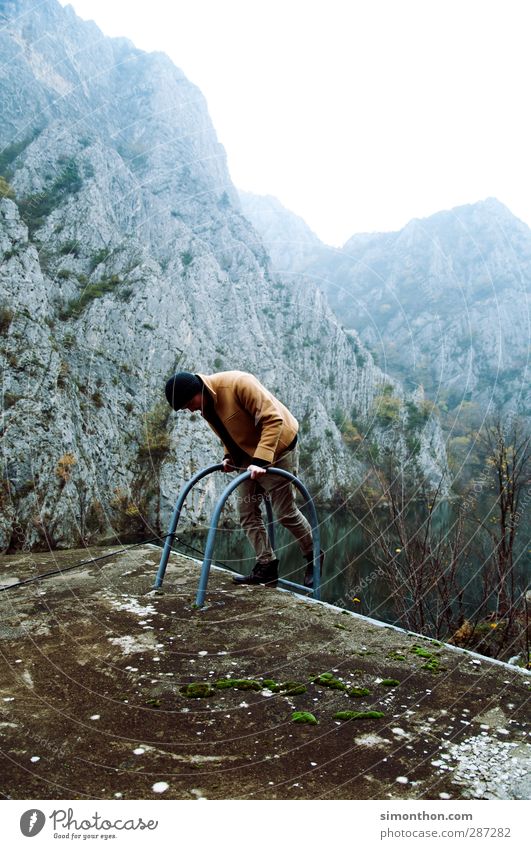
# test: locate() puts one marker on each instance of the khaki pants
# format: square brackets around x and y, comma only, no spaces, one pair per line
[282,496]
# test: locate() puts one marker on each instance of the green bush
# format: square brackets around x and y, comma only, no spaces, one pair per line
[386,408]
[75,307]
[71,248]
[69,180]
[155,444]
[6,317]
[100,256]
[5,189]
[125,293]
[10,399]
[418,415]
[413,446]
[350,434]
[62,374]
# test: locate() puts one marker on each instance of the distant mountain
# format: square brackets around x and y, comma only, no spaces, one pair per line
[290,242]
[443,303]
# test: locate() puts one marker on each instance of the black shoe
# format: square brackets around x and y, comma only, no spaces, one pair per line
[308,575]
[263,573]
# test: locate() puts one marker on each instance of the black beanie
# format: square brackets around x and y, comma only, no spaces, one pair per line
[181,388]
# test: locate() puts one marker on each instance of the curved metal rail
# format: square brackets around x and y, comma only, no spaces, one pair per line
[209,550]
[175,520]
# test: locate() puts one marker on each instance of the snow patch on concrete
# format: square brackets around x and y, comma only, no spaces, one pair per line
[490,769]
[133,645]
[131,605]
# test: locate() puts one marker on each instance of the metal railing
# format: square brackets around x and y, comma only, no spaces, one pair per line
[209,549]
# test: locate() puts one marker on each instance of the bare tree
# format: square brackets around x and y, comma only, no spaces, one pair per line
[506,445]
[454,573]
[419,553]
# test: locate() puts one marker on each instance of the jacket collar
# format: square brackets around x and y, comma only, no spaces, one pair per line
[208,383]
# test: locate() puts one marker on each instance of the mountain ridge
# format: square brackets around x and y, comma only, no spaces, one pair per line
[396,289]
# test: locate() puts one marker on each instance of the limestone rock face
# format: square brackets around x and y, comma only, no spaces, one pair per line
[443,303]
[125,256]
[454,302]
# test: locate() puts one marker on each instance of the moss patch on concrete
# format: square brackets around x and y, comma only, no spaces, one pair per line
[433,661]
[358,692]
[359,714]
[420,651]
[304,717]
[293,688]
[326,679]
[238,684]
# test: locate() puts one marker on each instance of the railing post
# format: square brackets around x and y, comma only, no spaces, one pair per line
[211,538]
[175,520]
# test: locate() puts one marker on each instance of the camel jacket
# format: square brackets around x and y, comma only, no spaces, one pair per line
[257,422]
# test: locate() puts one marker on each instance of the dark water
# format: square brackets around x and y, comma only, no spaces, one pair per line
[348,573]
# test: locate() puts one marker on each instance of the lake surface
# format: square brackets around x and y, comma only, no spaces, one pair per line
[350,580]
[347,573]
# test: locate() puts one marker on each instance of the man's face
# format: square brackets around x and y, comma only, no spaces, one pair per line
[194,404]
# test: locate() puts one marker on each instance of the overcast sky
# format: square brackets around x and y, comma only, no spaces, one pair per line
[358,116]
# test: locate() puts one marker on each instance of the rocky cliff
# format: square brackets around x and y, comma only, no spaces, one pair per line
[443,303]
[125,255]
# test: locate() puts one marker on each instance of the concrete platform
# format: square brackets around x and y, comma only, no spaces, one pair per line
[92,673]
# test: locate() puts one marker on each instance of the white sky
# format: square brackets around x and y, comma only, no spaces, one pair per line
[358,115]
